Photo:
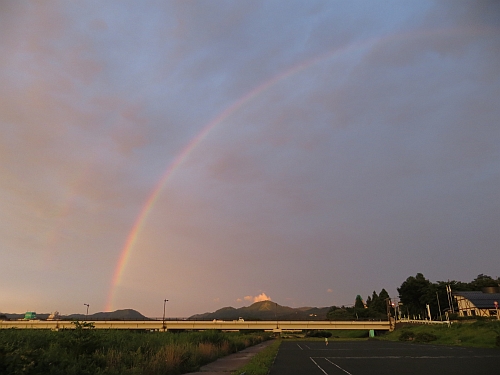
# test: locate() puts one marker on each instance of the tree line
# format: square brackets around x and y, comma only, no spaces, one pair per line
[415,294]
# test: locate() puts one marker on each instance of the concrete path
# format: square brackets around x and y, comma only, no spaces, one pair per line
[232,362]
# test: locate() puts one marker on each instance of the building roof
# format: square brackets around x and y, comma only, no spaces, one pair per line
[481,300]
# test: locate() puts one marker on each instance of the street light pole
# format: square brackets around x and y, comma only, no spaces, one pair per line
[87,316]
[276,313]
[395,307]
[164,304]
[388,308]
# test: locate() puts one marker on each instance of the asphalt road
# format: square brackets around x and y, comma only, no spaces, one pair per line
[382,357]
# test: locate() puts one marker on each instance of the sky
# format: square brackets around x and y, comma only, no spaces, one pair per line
[221,153]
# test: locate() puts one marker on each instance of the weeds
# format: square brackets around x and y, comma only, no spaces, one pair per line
[88,351]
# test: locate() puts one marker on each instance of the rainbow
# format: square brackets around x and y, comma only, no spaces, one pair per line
[186,151]
[139,222]
[131,240]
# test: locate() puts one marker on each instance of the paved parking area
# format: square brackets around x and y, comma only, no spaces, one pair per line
[382,357]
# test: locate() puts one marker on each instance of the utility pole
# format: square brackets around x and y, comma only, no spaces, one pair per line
[164,305]
[450,298]
[439,307]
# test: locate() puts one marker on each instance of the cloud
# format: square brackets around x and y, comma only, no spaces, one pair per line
[261,297]
[329,290]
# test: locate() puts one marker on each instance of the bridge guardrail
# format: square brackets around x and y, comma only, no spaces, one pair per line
[202,325]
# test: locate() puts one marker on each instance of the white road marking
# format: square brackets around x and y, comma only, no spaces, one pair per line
[324,372]
[340,368]
[300,347]
[411,357]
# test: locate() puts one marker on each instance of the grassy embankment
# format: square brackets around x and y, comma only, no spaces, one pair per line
[480,334]
[261,362]
[110,352]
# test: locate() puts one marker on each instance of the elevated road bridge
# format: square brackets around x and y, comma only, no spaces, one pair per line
[275,326]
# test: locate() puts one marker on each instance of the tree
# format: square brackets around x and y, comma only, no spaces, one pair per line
[340,313]
[415,293]
[358,304]
[482,281]
[383,295]
[378,303]
[368,301]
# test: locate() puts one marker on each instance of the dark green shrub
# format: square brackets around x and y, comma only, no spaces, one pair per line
[83,339]
[315,333]
[407,336]
[425,337]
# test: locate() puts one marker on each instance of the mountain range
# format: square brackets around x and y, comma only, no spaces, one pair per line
[264,310]
[126,314]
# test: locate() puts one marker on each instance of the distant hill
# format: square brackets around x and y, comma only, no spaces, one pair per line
[126,314]
[21,316]
[265,310]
